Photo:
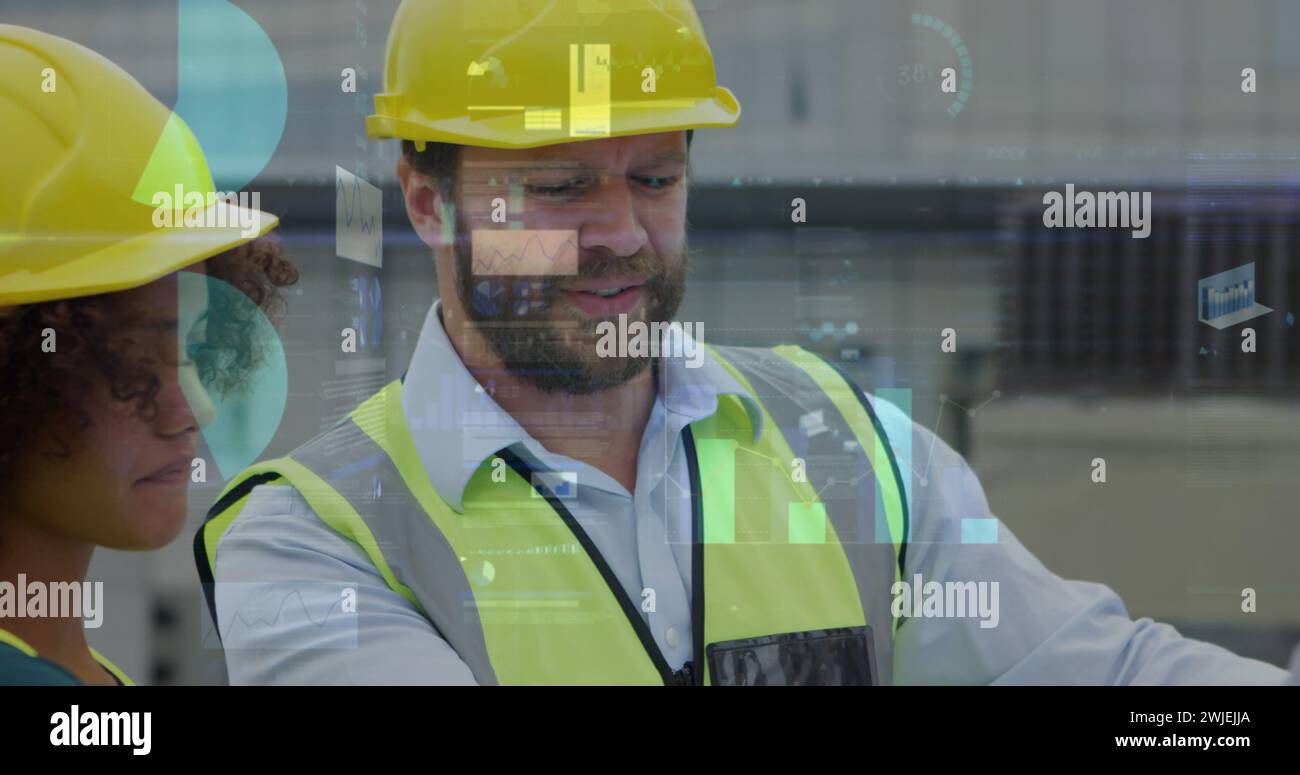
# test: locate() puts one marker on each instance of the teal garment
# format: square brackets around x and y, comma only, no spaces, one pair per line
[18,669]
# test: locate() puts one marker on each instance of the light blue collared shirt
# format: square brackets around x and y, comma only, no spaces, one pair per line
[281,570]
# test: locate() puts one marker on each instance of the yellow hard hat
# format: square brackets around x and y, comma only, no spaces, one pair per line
[526,73]
[88,155]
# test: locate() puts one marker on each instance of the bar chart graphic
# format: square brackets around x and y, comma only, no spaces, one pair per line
[589,90]
[1228,298]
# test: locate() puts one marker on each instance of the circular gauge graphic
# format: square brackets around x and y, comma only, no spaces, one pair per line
[910,69]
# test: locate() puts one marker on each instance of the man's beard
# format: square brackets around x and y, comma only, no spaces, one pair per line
[537,334]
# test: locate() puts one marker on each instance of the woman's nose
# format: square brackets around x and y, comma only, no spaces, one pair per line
[196,407]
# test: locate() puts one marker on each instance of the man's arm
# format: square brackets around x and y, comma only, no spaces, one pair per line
[1049,630]
[287,616]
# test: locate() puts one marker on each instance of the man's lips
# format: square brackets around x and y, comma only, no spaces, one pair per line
[606,284]
[605,306]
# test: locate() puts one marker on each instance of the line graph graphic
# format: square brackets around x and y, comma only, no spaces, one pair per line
[358,219]
[944,400]
[525,252]
[261,607]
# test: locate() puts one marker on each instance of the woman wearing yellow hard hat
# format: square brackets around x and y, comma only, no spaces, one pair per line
[104,334]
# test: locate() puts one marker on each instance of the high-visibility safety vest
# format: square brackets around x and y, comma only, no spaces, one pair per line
[800,532]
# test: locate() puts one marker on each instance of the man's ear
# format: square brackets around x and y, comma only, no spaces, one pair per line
[425,206]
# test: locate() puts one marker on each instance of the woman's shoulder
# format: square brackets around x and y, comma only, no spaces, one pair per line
[19,669]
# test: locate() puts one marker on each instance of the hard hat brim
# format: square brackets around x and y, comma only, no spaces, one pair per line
[505,130]
[135,261]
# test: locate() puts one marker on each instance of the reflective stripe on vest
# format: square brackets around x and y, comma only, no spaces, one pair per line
[520,592]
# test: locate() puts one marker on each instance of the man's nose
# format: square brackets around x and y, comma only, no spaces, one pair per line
[614,223]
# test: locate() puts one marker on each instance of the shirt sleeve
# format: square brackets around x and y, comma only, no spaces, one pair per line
[299,604]
[1045,630]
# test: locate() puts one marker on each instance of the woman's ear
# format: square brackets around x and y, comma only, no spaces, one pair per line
[425,205]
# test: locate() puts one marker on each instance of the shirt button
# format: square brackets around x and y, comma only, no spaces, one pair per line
[671,636]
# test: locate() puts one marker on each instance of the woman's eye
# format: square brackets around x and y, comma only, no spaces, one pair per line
[198,338]
[193,350]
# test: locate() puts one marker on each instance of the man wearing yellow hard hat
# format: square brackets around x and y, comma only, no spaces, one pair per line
[548,497]
[106,339]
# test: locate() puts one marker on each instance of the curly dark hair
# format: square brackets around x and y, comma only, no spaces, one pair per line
[99,339]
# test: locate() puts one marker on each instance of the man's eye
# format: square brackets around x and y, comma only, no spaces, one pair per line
[658,183]
[560,189]
[571,187]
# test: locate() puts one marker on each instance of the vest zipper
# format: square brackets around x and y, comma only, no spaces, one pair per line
[697,560]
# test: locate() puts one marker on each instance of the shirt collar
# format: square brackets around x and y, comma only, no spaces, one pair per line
[693,391]
[457,424]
